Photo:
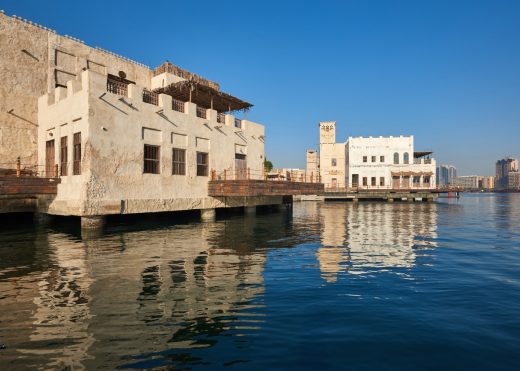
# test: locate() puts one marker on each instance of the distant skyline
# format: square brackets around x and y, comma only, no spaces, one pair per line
[446,72]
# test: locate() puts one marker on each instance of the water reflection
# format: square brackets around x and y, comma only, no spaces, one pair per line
[136,294]
[147,298]
[359,237]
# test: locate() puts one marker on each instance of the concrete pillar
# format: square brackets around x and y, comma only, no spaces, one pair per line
[390,200]
[250,210]
[355,199]
[208,215]
[41,218]
[93,222]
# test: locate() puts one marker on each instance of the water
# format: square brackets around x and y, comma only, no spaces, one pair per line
[368,286]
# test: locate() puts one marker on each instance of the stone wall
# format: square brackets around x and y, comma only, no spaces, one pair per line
[33,61]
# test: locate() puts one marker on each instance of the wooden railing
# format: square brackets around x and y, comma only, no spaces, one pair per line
[238,123]
[201,112]
[150,97]
[221,118]
[178,105]
[117,87]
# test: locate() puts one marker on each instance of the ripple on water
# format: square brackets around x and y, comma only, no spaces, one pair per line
[401,286]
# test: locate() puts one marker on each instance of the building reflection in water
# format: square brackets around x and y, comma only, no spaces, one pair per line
[130,297]
[138,298]
[359,237]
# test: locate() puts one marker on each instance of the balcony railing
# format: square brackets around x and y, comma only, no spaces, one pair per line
[238,123]
[150,97]
[221,118]
[117,87]
[201,112]
[178,105]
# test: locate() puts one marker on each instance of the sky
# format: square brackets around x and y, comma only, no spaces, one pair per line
[446,72]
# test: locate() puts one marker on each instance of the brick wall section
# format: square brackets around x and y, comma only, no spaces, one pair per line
[243,188]
[28,186]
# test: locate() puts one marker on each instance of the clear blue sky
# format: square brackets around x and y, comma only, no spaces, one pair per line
[445,71]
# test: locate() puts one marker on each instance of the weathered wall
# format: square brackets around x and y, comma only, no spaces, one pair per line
[33,61]
[24,62]
[114,130]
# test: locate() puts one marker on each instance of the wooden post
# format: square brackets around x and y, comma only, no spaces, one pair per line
[312,177]
[248,173]
[18,167]
[225,174]
[56,172]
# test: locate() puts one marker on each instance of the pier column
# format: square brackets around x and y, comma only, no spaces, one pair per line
[250,210]
[208,215]
[389,200]
[93,222]
[41,218]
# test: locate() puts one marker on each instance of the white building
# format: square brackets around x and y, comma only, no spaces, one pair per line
[388,163]
[373,162]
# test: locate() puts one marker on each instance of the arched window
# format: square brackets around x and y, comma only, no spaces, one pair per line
[406,158]
[396,158]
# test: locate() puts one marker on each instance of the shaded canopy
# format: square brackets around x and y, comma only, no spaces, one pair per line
[419,154]
[204,96]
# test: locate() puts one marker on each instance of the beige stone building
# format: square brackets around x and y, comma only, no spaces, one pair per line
[124,138]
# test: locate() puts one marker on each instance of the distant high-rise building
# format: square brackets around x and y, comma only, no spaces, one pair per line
[445,174]
[505,169]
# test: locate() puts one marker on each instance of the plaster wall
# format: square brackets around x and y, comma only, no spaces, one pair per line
[114,132]
[33,61]
[384,148]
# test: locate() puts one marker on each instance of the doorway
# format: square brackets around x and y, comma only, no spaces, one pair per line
[49,159]
[240,166]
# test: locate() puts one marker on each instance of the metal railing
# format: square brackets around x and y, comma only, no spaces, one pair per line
[150,97]
[201,112]
[221,118]
[117,87]
[238,123]
[355,188]
[178,105]
[252,174]
[17,169]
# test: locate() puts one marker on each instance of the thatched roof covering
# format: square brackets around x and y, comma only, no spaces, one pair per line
[204,96]
[177,71]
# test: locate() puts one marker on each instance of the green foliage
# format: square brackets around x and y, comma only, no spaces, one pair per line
[268,165]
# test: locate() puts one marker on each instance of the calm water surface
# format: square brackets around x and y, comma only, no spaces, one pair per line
[368,286]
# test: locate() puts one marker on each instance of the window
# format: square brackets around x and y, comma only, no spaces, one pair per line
[76,154]
[63,156]
[365,159]
[406,158]
[151,159]
[382,181]
[373,181]
[202,164]
[416,181]
[365,181]
[333,162]
[178,161]
[426,179]
[396,158]
[373,158]
[381,158]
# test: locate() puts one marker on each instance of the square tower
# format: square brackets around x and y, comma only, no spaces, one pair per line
[327,132]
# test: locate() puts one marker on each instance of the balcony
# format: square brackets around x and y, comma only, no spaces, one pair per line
[150,97]
[178,105]
[201,112]
[117,87]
